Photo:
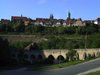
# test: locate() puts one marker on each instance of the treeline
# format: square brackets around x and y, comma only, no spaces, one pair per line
[19,27]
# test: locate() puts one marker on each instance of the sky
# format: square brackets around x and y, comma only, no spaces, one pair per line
[85,9]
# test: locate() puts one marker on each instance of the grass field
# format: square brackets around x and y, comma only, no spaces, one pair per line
[94,73]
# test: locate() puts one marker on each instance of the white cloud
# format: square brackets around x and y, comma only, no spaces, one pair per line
[40,2]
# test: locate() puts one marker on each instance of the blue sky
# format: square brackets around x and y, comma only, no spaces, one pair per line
[85,9]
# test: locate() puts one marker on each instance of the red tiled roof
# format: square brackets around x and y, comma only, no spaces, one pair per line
[18,18]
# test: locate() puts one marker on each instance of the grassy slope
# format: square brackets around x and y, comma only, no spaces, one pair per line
[14,38]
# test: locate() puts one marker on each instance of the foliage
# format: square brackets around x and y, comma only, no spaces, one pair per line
[18,26]
[61,43]
[19,44]
[35,46]
[71,54]
[4,51]
[55,41]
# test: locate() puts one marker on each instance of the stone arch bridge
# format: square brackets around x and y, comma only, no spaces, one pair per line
[57,55]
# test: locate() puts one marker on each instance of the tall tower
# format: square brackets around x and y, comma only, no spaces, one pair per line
[51,17]
[21,15]
[69,15]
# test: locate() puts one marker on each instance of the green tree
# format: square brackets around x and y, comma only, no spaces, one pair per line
[4,52]
[71,55]
[61,30]
[35,46]
[90,30]
[18,26]
[1,27]
[70,30]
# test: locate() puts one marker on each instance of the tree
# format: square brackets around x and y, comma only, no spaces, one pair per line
[90,30]
[18,26]
[71,55]
[34,46]
[69,44]
[1,27]
[82,30]
[61,30]
[70,30]
[4,52]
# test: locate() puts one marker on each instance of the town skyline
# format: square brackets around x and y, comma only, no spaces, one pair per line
[67,15]
[43,8]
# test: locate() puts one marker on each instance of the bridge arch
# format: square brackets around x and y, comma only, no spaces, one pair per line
[93,55]
[33,58]
[50,59]
[60,59]
[89,56]
[13,55]
[39,57]
[25,56]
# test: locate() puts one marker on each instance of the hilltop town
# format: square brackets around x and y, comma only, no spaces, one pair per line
[51,21]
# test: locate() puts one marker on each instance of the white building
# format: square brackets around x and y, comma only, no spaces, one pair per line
[97,21]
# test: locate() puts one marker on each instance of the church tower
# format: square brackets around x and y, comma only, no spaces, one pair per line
[69,15]
[51,17]
[21,15]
